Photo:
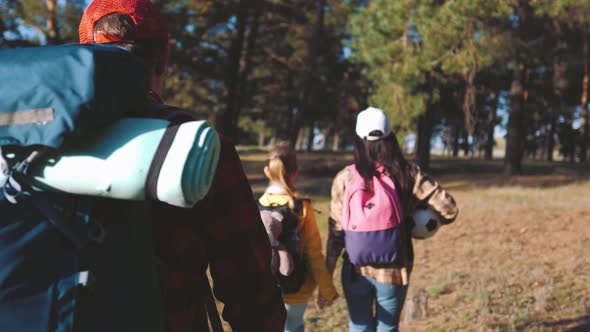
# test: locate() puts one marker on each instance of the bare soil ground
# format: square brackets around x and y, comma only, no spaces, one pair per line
[516,259]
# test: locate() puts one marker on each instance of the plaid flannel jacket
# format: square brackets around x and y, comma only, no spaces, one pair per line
[224,233]
[425,190]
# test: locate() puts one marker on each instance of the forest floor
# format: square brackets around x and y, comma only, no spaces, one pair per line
[516,259]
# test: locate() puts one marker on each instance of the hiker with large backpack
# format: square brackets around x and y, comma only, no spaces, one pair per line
[371,202]
[291,224]
[223,232]
[99,227]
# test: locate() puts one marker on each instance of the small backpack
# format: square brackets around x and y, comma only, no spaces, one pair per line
[371,220]
[288,259]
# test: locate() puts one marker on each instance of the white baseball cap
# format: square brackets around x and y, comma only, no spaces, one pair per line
[372,124]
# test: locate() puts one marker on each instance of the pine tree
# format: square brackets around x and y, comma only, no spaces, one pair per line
[413,48]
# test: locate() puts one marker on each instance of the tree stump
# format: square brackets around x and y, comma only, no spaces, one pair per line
[416,306]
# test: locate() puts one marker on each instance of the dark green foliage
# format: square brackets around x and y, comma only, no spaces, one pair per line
[272,69]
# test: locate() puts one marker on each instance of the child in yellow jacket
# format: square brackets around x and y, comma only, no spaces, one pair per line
[281,170]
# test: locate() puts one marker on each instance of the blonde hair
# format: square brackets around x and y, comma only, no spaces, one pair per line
[282,166]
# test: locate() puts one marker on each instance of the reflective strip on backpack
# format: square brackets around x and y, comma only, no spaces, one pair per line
[33,116]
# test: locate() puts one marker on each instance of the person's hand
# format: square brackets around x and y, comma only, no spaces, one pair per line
[323,303]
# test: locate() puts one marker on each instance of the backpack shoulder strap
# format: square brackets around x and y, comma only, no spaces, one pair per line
[211,307]
[173,114]
[298,205]
[273,206]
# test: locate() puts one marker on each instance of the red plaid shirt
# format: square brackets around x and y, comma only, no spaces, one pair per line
[223,232]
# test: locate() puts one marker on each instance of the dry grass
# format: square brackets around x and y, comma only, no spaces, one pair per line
[516,259]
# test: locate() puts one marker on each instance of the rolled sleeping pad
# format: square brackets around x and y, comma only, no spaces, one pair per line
[136,159]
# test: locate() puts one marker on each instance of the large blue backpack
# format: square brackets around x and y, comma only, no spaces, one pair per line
[70,263]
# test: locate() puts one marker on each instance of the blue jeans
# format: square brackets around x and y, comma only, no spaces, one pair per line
[362,292]
[294,321]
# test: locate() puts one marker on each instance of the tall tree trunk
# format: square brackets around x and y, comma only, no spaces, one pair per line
[325,134]
[52,28]
[341,113]
[556,98]
[556,109]
[336,142]
[456,133]
[310,136]
[286,122]
[261,138]
[551,139]
[492,118]
[246,58]
[300,139]
[465,146]
[573,141]
[515,135]
[584,101]
[514,139]
[469,102]
[226,119]
[310,68]
[424,135]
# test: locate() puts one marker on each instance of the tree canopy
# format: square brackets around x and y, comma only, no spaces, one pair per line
[299,70]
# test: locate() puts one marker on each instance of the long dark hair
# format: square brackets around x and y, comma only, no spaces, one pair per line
[385,152]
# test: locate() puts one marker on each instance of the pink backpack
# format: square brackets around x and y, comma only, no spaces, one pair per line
[370,221]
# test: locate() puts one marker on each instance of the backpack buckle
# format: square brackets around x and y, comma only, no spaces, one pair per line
[86,280]
[11,189]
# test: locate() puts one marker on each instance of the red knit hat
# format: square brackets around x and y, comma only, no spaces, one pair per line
[149,21]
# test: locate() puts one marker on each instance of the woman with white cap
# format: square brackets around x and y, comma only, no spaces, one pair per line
[370,201]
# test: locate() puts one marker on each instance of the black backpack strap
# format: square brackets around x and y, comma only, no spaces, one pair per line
[170,113]
[285,209]
[204,295]
[176,117]
[94,232]
[298,204]
[151,182]
[211,307]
